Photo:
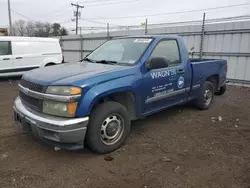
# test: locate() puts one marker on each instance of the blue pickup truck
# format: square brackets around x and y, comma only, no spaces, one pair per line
[94,101]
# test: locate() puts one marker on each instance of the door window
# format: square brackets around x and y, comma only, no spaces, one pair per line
[5,48]
[169,50]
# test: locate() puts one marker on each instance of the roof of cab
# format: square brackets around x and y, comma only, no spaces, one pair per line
[152,36]
[15,38]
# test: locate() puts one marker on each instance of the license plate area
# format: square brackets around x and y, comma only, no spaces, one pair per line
[22,123]
[18,118]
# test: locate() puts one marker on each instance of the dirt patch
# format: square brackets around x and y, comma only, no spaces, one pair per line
[179,147]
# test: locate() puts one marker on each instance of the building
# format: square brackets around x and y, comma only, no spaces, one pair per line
[3,31]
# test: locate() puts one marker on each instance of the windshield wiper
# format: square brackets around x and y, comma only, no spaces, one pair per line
[106,62]
[89,60]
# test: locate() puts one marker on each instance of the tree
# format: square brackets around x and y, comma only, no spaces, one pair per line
[42,29]
[56,29]
[47,29]
[19,28]
[63,31]
[30,28]
[38,29]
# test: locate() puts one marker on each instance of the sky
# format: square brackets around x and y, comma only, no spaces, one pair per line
[131,11]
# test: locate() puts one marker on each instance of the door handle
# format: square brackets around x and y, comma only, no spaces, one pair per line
[6,58]
[180,71]
[19,58]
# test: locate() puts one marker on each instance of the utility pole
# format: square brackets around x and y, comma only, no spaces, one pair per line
[10,22]
[77,14]
[108,31]
[146,27]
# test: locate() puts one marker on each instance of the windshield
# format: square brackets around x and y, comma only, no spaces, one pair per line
[123,51]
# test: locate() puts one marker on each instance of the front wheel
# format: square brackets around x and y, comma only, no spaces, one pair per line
[108,128]
[206,97]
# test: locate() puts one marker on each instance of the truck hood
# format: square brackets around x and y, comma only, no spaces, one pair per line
[70,73]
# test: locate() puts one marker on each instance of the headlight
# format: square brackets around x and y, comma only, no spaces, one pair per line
[59,108]
[63,90]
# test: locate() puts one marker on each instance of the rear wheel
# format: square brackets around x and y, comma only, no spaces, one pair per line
[222,90]
[206,97]
[108,128]
[49,64]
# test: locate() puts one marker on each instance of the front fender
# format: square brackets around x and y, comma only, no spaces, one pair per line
[97,92]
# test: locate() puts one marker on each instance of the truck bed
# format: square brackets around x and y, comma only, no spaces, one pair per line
[203,68]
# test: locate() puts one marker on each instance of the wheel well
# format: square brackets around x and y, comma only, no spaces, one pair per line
[126,98]
[49,64]
[214,79]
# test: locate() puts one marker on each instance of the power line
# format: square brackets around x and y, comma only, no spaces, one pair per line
[208,21]
[97,1]
[170,13]
[194,22]
[236,18]
[64,21]
[27,18]
[93,21]
[99,22]
[21,15]
[89,28]
[118,2]
[56,10]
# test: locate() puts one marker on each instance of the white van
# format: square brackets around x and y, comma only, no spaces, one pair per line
[20,54]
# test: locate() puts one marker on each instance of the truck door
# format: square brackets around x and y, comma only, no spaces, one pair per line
[167,86]
[6,62]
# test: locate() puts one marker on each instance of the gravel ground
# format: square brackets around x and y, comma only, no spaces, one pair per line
[179,147]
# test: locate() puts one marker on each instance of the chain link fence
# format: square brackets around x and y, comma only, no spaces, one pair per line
[225,38]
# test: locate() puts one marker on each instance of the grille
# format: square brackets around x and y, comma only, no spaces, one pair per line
[31,102]
[32,86]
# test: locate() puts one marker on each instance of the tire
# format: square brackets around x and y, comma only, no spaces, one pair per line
[102,118]
[49,64]
[222,90]
[208,92]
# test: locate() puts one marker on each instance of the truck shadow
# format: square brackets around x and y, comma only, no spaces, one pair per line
[10,79]
[143,126]
[137,126]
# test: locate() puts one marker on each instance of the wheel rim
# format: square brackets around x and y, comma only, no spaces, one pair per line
[112,129]
[208,96]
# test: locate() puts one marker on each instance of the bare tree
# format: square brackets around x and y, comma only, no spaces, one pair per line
[30,27]
[19,28]
[47,29]
[38,29]
[42,29]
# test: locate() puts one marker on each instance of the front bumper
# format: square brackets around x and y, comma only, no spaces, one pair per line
[68,133]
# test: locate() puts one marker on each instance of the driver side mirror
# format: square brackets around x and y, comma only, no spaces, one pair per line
[157,63]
